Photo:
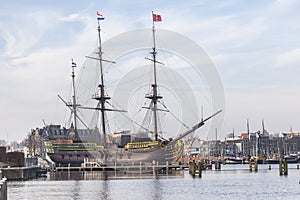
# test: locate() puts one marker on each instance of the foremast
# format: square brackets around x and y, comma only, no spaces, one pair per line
[74,105]
[154,96]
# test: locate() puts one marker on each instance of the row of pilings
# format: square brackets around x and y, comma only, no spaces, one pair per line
[283,166]
[196,168]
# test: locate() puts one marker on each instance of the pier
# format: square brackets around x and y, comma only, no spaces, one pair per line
[20,173]
[127,168]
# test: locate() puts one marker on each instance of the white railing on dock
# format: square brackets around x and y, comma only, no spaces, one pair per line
[87,163]
[142,167]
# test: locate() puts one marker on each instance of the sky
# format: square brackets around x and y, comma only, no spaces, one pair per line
[254,45]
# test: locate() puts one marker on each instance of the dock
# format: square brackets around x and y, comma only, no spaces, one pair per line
[138,167]
[20,173]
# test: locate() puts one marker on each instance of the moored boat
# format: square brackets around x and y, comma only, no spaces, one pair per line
[233,160]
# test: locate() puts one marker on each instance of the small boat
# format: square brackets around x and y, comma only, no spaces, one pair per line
[273,160]
[292,159]
[288,158]
[233,160]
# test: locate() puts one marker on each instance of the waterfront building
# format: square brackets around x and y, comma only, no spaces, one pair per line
[232,146]
[195,147]
[245,144]
[291,143]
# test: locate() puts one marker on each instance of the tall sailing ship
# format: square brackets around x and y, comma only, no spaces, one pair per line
[73,146]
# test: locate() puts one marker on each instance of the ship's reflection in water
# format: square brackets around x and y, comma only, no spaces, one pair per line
[109,175]
[156,188]
[232,182]
[76,190]
[100,188]
[108,185]
[104,189]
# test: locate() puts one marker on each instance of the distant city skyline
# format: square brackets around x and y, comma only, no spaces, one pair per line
[254,46]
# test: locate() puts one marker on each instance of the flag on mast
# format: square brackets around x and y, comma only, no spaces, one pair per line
[156,17]
[74,64]
[99,16]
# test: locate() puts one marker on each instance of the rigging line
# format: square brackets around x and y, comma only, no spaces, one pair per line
[130,119]
[108,130]
[82,119]
[56,113]
[148,116]
[161,131]
[120,107]
[136,123]
[159,125]
[69,122]
[95,117]
[114,103]
[174,115]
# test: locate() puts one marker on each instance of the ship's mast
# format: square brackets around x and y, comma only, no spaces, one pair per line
[102,98]
[74,101]
[154,96]
[248,132]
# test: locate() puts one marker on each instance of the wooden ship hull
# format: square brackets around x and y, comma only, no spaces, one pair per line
[112,156]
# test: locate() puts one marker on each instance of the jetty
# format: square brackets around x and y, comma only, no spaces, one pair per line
[14,166]
[134,167]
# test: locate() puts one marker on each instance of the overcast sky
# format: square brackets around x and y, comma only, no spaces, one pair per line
[255,47]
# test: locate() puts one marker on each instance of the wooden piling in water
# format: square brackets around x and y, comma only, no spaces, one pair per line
[283,167]
[217,165]
[200,167]
[195,168]
[191,167]
[253,165]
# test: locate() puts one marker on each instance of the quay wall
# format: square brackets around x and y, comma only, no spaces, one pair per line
[20,173]
[2,154]
[3,187]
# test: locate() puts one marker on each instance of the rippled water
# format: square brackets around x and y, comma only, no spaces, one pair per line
[232,182]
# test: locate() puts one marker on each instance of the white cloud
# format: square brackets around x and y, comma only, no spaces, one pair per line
[289,58]
[74,17]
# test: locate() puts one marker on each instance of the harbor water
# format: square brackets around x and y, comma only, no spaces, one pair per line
[231,182]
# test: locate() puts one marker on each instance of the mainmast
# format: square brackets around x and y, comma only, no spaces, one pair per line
[154,96]
[101,98]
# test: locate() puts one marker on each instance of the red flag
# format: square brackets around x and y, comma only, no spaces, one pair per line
[156,17]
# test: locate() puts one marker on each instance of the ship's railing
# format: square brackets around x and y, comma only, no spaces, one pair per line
[75,146]
[138,145]
[88,163]
[61,141]
[48,146]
